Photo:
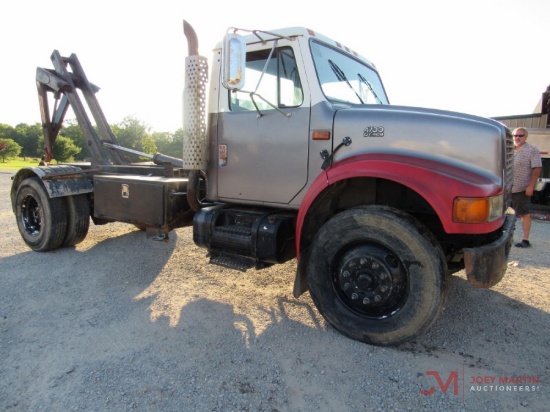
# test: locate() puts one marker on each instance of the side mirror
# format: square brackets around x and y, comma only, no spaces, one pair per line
[234,61]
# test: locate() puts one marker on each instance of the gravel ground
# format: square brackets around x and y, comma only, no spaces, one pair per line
[125,323]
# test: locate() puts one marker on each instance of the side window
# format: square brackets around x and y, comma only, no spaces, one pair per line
[279,85]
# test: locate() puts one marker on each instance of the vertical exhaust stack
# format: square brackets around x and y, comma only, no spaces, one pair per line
[195,144]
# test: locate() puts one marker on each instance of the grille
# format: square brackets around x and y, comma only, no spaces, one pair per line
[508,168]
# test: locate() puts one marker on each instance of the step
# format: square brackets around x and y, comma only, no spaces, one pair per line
[236,230]
[232,262]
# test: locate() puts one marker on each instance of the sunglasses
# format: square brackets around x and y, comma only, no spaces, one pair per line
[519,135]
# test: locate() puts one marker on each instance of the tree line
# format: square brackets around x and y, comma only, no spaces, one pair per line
[26,140]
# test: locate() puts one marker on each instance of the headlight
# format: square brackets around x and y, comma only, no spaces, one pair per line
[478,210]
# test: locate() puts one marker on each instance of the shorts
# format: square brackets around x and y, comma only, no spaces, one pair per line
[521,203]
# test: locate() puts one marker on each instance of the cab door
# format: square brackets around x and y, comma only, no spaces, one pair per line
[263,130]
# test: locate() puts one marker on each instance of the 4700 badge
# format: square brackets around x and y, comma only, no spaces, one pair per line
[373,131]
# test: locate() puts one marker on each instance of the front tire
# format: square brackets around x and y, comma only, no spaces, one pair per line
[42,221]
[377,275]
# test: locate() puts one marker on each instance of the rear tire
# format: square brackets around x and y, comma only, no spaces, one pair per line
[377,275]
[41,220]
[78,219]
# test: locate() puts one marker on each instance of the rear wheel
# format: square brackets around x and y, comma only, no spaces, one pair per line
[78,219]
[42,221]
[377,275]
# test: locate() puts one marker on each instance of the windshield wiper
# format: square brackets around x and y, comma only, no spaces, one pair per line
[342,77]
[370,87]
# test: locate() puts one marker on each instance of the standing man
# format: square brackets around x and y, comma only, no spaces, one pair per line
[527,167]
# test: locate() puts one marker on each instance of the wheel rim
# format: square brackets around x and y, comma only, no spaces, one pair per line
[31,215]
[371,280]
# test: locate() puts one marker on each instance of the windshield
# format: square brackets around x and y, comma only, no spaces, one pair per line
[344,79]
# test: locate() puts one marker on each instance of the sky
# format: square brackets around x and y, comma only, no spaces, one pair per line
[482,57]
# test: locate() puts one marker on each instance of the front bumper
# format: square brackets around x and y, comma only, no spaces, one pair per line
[485,265]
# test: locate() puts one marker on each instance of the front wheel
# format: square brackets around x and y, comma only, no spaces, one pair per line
[377,275]
[42,221]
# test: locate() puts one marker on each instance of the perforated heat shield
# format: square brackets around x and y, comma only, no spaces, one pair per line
[195,145]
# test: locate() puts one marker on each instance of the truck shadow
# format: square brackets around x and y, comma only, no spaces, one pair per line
[125,258]
[480,332]
[151,318]
[136,268]
[486,329]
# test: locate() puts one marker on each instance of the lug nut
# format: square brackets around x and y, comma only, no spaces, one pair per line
[377,298]
[346,286]
[345,274]
[354,296]
[366,301]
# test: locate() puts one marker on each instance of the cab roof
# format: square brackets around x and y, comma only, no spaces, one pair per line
[258,36]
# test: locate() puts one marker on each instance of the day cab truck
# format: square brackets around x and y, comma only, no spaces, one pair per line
[299,156]
[541,139]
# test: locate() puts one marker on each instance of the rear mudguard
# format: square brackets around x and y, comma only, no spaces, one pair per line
[59,180]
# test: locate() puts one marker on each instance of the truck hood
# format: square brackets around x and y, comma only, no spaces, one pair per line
[466,141]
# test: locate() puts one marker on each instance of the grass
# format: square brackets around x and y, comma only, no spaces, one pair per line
[18,163]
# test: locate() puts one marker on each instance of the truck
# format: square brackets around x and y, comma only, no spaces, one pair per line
[541,139]
[537,125]
[294,152]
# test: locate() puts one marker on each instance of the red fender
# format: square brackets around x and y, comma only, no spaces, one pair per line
[437,182]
